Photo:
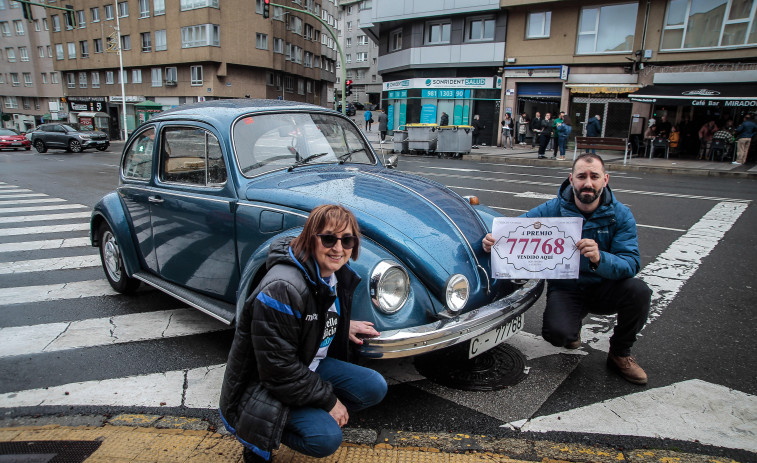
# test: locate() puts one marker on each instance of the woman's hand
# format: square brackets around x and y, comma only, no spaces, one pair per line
[360,329]
[487,242]
[339,413]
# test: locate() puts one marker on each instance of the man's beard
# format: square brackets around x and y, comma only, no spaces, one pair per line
[587,195]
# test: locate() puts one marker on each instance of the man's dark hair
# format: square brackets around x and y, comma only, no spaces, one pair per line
[590,157]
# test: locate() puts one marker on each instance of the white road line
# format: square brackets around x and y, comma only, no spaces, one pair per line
[53,337]
[167,389]
[44,265]
[44,245]
[55,292]
[672,269]
[693,410]
[5,195]
[14,190]
[9,202]
[44,229]
[45,217]
[8,210]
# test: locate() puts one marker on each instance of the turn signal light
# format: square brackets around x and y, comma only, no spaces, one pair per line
[473,200]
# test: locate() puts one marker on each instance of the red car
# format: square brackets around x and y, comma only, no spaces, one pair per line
[12,140]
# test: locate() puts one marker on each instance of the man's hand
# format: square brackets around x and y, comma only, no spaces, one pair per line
[362,329]
[589,249]
[488,242]
[339,413]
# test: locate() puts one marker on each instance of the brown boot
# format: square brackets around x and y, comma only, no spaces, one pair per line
[574,344]
[627,368]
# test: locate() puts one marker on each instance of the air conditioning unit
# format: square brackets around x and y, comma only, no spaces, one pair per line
[170,83]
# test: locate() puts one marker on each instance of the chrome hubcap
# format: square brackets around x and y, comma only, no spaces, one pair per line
[112,256]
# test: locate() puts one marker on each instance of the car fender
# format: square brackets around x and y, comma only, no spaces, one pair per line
[111,210]
[487,215]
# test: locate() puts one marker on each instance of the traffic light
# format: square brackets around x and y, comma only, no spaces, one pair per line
[70,19]
[27,11]
[266,9]
[348,88]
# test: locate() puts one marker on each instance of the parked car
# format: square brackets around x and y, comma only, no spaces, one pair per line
[358,105]
[350,108]
[205,188]
[12,140]
[68,137]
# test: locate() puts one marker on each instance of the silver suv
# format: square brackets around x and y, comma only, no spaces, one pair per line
[67,137]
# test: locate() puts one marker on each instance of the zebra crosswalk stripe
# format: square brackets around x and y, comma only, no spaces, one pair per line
[54,263]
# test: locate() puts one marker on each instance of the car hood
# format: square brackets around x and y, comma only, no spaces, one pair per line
[422,222]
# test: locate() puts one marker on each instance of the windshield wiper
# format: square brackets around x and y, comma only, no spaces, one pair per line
[348,155]
[306,160]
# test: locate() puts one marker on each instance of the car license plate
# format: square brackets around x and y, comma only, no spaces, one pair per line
[495,337]
[16,143]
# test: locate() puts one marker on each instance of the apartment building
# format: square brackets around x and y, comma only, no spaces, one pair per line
[631,61]
[439,57]
[360,53]
[177,52]
[30,89]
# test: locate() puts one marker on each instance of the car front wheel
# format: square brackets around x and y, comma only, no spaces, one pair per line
[74,146]
[102,148]
[113,263]
[40,146]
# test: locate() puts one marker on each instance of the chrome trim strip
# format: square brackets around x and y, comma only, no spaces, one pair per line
[174,193]
[182,299]
[305,216]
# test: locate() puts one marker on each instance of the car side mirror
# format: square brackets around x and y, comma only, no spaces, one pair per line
[392,161]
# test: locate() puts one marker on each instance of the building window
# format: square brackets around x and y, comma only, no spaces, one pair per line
[81,19]
[28,79]
[348,42]
[361,57]
[37,25]
[71,80]
[480,29]
[123,9]
[19,25]
[308,60]
[160,40]
[27,103]
[108,12]
[136,76]
[202,35]
[289,83]
[11,102]
[362,40]
[71,50]
[23,53]
[171,76]
[349,25]
[125,42]
[159,7]
[437,32]
[41,52]
[194,4]
[82,80]
[98,45]
[95,79]
[259,6]
[54,77]
[301,86]
[537,25]
[395,40]
[698,24]
[14,79]
[309,32]
[261,41]
[157,77]
[45,24]
[56,23]
[5,28]
[196,75]
[84,48]
[44,77]
[59,51]
[606,29]
[146,42]
[49,51]
[109,77]
[94,13]
[278,45]
[348,58]
[295,25]
[123,77]
[144,8]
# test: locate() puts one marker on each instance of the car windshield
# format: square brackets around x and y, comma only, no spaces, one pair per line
[70,128]
[7,132]
[267,142]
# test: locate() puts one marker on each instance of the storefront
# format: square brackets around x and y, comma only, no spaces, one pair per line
[147,109]
[421,100]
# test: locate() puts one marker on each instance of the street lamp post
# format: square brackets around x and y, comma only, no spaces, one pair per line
[121,68]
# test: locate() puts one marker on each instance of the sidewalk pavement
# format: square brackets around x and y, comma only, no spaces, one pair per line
[525,155]
[158,439]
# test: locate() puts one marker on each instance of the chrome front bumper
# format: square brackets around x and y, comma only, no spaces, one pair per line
[445,333]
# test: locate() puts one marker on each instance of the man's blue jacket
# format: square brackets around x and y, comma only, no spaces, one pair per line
[612,226]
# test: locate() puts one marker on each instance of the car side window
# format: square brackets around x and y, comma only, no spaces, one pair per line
[138,158]
[192,156]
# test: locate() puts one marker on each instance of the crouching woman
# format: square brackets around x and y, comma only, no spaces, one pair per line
[287,378]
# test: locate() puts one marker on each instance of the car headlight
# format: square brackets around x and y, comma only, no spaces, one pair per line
[457,292]
[389,286]
[84,137]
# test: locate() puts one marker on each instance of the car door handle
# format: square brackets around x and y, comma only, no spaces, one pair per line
[155,199]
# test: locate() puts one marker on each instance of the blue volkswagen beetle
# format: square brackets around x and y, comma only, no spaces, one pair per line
[205,188]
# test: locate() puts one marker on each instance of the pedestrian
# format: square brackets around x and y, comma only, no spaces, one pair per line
[674,139]
[545,134]
[563,132]
[477,128]
[522,128]
[594,129]
[507,131]
[555,141]
[744,134]
[287,379]
[383,123]
[368,120]
[705,137]
[444,119]
[535,129]
[609,261]
[649,135]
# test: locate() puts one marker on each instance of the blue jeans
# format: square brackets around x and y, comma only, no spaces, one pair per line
[312,431]
[561,141]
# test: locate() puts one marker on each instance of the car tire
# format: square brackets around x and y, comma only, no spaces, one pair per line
[40,146]
[102,148]
[113,263]
[28,148]
[75,146]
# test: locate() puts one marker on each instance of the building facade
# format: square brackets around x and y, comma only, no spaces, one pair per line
[30,89]
[360,53]
[177,52]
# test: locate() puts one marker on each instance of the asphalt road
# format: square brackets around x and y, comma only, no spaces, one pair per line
[697,243]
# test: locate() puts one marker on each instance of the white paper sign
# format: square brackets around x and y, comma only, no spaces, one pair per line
[539,247]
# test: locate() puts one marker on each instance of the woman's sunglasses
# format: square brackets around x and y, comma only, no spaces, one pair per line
[329,240]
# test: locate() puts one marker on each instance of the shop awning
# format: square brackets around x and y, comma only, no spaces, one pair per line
[92,114]
[602,88]
[702,94]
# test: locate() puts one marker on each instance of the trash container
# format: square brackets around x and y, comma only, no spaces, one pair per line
[400,141]
[454,140]
[422,137]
